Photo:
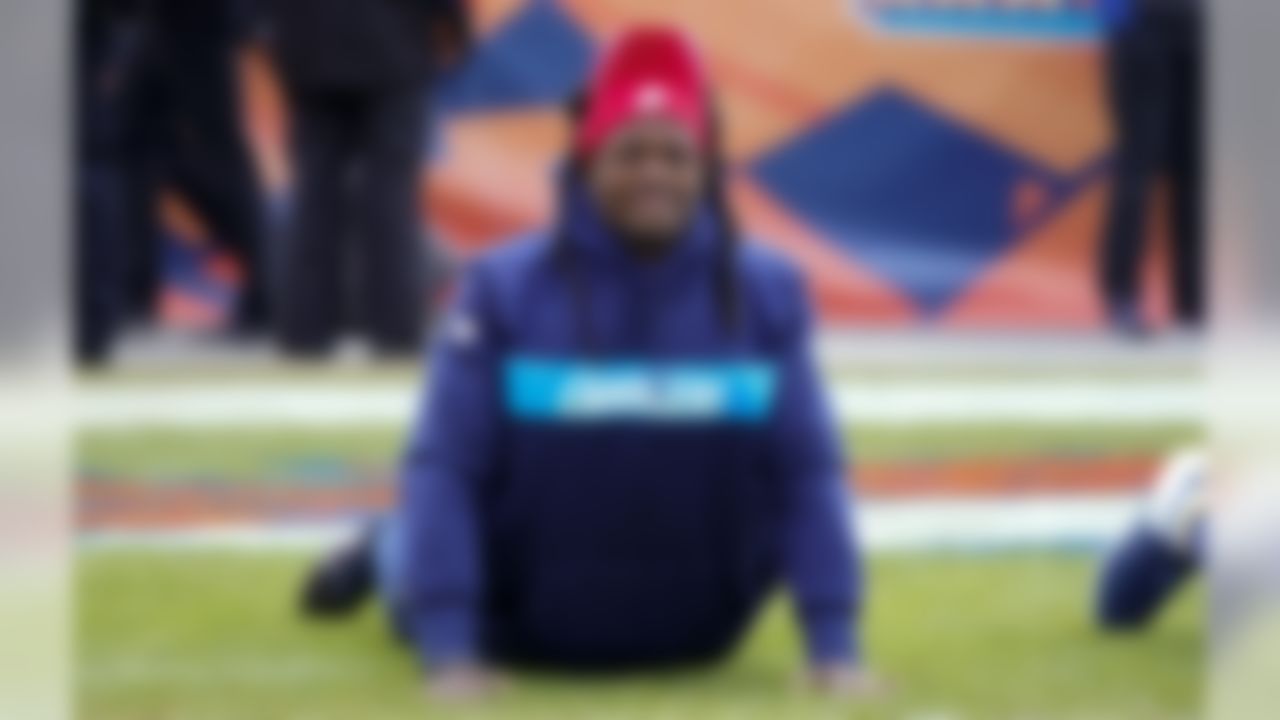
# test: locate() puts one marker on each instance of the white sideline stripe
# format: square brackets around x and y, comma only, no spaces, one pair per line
[1039,402]
[259,404]
[1044,521]
[899,525]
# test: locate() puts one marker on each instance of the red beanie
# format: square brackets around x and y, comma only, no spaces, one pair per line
[651,70]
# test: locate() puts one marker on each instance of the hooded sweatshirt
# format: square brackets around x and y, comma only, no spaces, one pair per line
[605,474]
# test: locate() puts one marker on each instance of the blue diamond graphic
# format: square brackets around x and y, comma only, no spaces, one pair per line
[920,200]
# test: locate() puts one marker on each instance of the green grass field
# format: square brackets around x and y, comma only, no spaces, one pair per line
[210,635]
[1001,636]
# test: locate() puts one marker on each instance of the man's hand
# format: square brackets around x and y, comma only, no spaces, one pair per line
[463,683]
[845,680]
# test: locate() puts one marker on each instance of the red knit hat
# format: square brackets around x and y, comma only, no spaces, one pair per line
[649,70]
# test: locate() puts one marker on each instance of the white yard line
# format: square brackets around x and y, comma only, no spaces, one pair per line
[997,523]
[1107,402]
[909,525]
[267,404]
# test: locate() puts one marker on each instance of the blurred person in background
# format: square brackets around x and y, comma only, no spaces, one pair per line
[109,53]
[159,108]
[1154,68]
[357,76]
[193,116]
[625,445]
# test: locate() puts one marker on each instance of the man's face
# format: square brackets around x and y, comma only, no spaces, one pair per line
[647,179]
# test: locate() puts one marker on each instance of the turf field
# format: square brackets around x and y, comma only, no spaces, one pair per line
[214,635]
[211,632]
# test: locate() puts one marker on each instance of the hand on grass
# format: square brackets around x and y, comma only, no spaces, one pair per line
[845,680]
[463,683]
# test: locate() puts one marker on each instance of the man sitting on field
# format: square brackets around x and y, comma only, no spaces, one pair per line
[626,446]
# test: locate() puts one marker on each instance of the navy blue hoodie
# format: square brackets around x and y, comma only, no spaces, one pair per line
[605,474]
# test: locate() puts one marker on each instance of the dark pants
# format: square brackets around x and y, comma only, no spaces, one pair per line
[354,249]
[1154,67]
[190,138]
[107,80]
[100,257]
[213,170]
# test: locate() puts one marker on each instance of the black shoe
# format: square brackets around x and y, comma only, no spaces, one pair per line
[341,581]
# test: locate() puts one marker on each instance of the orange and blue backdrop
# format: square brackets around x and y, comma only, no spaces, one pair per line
[939,162]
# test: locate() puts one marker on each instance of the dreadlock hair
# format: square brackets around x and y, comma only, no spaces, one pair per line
[726,279]
[566,258]
[716,194]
